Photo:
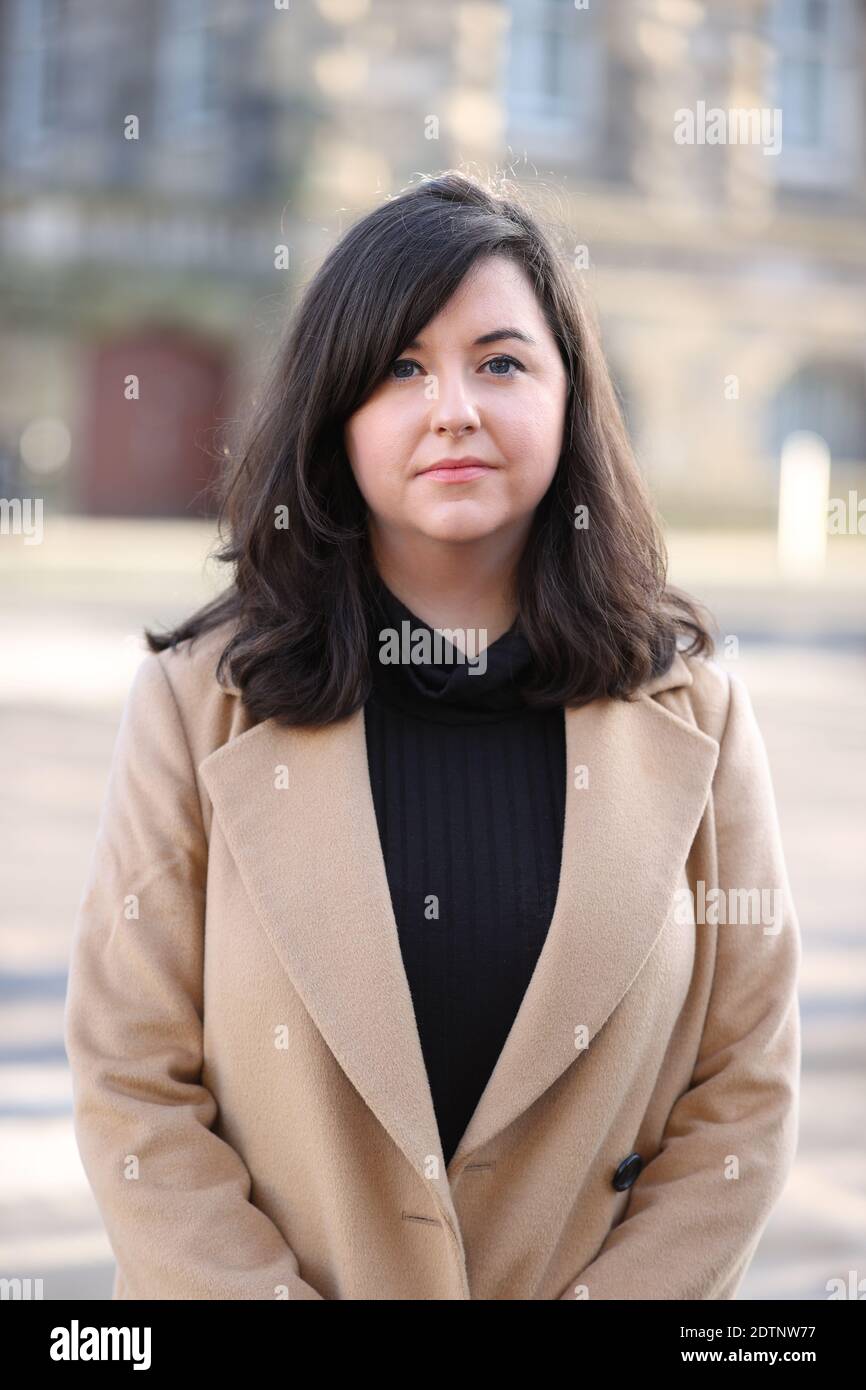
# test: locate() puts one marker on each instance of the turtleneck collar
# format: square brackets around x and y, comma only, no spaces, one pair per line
[448,689]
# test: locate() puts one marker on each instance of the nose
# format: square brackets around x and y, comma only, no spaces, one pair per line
[452,410]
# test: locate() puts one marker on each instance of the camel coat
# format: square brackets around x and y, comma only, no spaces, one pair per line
[251,1104]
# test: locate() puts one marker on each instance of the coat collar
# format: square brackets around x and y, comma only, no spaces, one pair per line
[310,858]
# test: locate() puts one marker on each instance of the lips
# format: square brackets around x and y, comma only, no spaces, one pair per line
[468,462]
[457,470]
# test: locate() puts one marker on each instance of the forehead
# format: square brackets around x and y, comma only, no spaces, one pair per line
[494,289]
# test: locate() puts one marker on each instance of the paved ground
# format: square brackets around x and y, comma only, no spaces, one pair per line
[68,622]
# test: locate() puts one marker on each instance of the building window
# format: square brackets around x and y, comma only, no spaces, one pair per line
[25,85]
[816,81]
[554,92]
[186,98]
[828,398]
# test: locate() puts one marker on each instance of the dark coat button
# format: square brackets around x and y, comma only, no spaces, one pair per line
[627,1172]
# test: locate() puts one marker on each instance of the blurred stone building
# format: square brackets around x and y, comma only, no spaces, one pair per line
[173,172]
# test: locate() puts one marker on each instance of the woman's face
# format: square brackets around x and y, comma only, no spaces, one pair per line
[449,396]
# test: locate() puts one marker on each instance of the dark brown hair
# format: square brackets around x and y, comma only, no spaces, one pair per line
[593,603]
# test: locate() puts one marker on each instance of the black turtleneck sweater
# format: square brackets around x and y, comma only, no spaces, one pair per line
[469,788]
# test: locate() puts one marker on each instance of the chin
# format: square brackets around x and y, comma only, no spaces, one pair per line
[459,528]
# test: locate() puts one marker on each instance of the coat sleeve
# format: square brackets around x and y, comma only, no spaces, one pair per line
[691,1229]
[175,1198]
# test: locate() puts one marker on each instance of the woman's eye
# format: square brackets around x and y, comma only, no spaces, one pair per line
[509,362]
[402,362]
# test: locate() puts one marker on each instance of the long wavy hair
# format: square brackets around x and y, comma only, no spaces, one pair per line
[593,602]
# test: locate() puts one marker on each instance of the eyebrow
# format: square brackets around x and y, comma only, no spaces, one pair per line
[495,336]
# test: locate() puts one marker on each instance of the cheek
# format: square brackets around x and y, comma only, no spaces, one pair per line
[531,437]
[372,439]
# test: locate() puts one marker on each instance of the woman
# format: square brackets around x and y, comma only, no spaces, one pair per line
[438,942]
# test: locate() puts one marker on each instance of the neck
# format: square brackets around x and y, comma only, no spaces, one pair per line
[452,586]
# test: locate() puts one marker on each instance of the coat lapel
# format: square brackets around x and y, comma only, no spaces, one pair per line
[311,861]
[297,811]
[627,834]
